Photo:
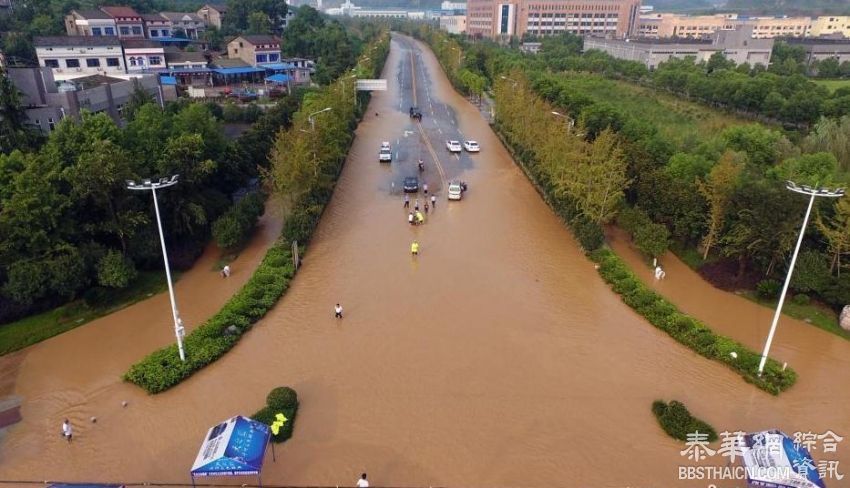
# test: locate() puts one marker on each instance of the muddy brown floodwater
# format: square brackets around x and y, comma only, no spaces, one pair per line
[498,357]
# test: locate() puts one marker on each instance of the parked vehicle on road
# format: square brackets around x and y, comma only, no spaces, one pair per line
[471,146]
[411,184]
[453,146]
[455,191]
[386,154]
[415,113]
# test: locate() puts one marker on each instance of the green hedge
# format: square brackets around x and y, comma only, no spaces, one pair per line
[688,330]
[280,400]
[678,422]
[235,226]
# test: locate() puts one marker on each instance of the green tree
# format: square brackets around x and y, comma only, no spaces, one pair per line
[652,239]
[15,132]
[601,178]
[836,230]
[718,190]
[259,23]
[115,271]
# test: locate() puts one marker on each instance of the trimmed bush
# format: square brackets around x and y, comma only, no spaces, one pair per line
[678,422]
[801,299]
[283,400]
[235,226]
[687,330]
[768,289]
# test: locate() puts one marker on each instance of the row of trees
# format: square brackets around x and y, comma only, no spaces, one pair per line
[723,194]
[67,222]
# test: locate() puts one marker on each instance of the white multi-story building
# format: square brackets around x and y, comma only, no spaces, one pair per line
[447,5]
[190,23]
[141,55]
[90,23]
[78,56]
[453,24]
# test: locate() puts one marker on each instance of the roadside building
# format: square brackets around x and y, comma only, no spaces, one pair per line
[90,23]
[254,49]
[453,24]
[142,55]
[156,26]
[129,22]
[46,102]
[190,24]
[213,14]
[736,45]
[503,18]
[77,56]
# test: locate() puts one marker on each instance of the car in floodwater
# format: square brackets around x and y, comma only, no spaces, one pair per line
[411,184]
[471,146]
[386,154]
[453,146]
[455,191]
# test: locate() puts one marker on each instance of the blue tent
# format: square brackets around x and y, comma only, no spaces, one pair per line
[235,447]
[278,78]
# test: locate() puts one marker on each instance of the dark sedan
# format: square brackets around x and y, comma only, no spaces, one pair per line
[411,184]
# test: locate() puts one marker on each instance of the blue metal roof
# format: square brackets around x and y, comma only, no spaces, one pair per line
[237,71]
[178,70]
[168,80]
[277,66]
[278,78]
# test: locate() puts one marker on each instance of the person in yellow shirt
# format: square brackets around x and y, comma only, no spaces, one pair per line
[414,248]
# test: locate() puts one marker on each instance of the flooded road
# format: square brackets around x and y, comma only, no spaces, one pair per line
[497,357]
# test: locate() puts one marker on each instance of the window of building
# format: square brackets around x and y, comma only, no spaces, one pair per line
[154,33]
[132,61]
[113,62]
[137,30]
[124,30]
[109,31]
[154,60]
[96,31]
[93,62]
[165,33]
[51,63]
[72,63]
[262,58]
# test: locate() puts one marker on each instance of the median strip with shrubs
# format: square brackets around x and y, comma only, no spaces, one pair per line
[688,330]
[678,422]
[163,369]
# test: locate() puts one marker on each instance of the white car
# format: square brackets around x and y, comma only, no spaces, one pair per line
[453,146]
[386,154]
[471,146]
[455,191]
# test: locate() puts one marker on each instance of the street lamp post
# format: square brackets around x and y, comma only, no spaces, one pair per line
[312,118]
[153,186]
[813,193]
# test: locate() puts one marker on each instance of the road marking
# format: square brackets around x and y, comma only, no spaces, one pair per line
[422,131]
[439,130]
[457,156]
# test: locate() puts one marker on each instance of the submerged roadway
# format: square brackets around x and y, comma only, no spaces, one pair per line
[497,357]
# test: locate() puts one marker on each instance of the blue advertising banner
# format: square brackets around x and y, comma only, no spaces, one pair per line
[774,460]
[234,447]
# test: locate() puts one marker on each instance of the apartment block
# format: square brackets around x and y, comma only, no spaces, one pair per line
[662,25]
[607,18]
[830,25]
[78,56]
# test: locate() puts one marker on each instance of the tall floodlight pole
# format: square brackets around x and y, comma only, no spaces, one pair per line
[153,186]
[813,193]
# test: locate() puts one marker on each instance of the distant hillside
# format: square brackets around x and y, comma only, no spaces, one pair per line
[813,7]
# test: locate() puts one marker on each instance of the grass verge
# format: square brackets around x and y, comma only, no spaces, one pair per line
[36,328]
[833,85]
[816,314]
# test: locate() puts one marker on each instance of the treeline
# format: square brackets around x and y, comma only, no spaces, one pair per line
[306,160]
[722,194]
[68,225]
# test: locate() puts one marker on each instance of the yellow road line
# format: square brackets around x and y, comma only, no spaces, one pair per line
[419,123]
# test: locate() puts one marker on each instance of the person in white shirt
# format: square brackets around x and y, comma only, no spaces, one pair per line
[363,482]
[338,311]
[410,218]
[225,271]
[66,430]
[425,187]
[433,201]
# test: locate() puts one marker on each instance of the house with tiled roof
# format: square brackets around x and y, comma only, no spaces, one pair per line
[156,26]
[141,55]
[129,22]
[90,23]
[255,49]
[190,23]
[213,14]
